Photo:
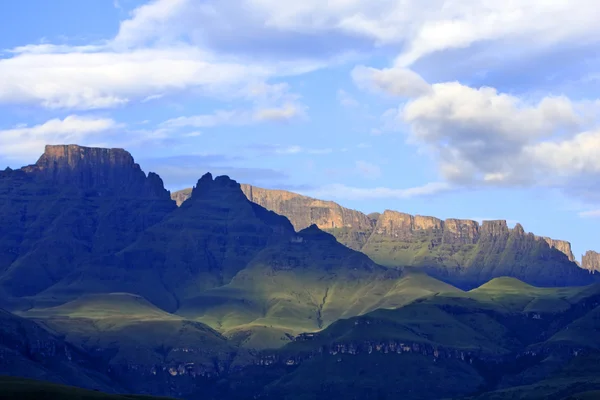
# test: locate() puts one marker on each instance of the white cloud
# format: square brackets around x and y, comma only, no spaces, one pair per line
[290,149]
[482,134]
[29,141]
[346,99]
[236,117]
[354,193]
[220,117]
[84,80]
[284,113]
[396,81]
[415,27]
[578,155]
[483,137]
[590,214]
[153,97]
[368,170]
[217,47]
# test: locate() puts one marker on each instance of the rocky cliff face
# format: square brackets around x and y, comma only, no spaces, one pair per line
[591,261]
[561,245]
[181,195]
[74,204]
[95,168]
[351,227]
[304,211]
[447,248]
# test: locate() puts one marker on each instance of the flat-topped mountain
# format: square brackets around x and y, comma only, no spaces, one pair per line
[74,204]
[98,168]
[462,252]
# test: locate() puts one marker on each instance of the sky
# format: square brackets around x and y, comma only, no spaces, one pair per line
[474,109]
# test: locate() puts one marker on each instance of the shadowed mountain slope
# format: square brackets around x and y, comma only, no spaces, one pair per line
[74,204]
[461,252]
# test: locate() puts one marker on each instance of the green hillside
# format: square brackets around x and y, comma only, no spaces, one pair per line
[28,389]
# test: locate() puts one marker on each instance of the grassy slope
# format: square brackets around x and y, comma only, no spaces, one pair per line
[495,319]
[25,389]
[304,287]
[131,330]
[514,295]
[467,266]
[430,313]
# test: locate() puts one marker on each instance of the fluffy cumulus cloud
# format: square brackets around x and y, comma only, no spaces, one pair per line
[396,81]
[479,136]
[90,80]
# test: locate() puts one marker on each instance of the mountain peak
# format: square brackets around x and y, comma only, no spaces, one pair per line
[94,168]
[207,184]
[314,232]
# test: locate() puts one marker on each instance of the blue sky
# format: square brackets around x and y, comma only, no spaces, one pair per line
[464,109]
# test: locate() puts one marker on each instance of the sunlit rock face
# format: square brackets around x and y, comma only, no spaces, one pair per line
[591,261]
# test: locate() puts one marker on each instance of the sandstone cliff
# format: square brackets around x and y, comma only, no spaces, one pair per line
[96,168]
[461,251]
[562,246]
[353,228]
[591,261]
[180,196]
[350,227]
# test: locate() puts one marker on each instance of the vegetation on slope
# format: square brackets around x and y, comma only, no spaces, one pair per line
[28,389]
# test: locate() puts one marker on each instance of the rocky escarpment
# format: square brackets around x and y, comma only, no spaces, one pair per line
[591,261]
[95,168]
[561,245]
[350,227]
[467,254]
[353,228]
[447,248]
[452,231]
[74,204]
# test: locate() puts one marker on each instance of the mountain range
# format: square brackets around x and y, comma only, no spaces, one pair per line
[227,291]
[462,252]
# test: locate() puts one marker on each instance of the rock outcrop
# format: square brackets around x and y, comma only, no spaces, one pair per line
[446,248]
[561,245]
[591,261]
[351,227]
[96,168]
[181,195]
[303,211]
